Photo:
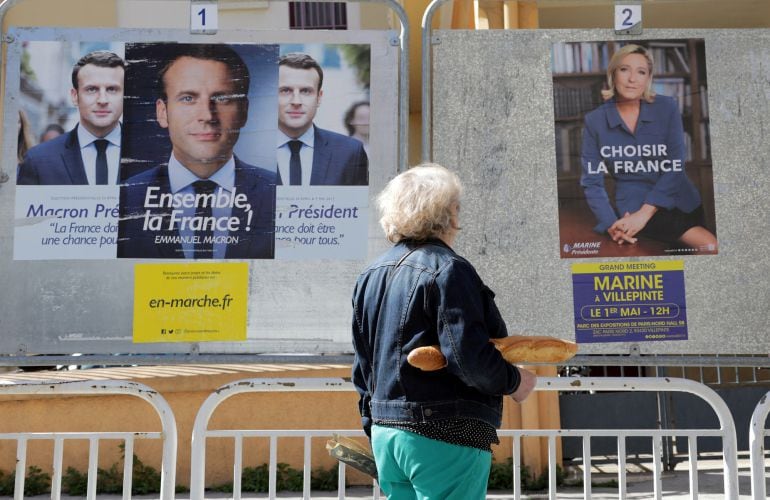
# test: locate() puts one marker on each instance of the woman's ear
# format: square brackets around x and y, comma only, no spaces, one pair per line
[454,222]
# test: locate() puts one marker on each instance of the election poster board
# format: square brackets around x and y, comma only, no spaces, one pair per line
[632,136]
[175,110]
[510,120]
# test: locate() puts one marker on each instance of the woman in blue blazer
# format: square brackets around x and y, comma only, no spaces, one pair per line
[638,139]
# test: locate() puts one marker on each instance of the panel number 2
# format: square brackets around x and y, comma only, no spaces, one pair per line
[626,22]
[627,16]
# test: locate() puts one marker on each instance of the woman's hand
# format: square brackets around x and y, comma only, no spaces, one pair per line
[526,385]
[625,229]
[618,231]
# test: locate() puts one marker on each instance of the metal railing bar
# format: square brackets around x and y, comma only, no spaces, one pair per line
[376,491]
[427,73]
[587,466]
[341,481]
[229,433]
[4,6]
[21,468]
[692,448]
[622,468]
[58,453]
[552,467]
[273,466]
[757,434]
[128,467]
[611,432]
[80,435]
[306,468]
[657,467]
[516,467]
[237,467]
[719,372]
[651,360]
[93,466]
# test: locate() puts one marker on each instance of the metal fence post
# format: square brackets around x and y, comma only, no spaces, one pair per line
[757,435]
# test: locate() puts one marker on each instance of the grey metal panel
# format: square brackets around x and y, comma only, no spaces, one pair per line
[493,124]
[620,410]
[65,307]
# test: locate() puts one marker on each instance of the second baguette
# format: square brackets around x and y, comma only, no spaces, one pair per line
[535,349]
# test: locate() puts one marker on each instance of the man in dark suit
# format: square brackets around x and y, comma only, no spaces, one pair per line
[308,155]
[89,153]
[205,203]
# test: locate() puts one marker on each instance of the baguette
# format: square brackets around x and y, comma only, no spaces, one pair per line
[516,349]
[535,349]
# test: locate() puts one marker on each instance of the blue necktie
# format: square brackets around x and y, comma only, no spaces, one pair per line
[204,246]
[295,164]
[101,160]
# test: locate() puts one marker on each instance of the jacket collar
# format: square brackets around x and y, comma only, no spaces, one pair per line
[613,117]
[412,243]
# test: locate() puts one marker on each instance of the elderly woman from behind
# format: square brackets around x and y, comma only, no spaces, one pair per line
[431,432]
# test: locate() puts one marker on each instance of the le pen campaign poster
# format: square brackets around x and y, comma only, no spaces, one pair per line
[633,149]
[192,151]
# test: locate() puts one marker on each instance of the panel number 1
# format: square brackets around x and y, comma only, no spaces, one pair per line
[203,17]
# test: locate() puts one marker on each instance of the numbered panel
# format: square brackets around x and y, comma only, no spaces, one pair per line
[71,246]
[501,120]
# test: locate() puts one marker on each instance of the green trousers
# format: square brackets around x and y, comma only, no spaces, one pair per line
[413,467]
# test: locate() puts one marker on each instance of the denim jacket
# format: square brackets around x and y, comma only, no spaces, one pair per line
[420,294]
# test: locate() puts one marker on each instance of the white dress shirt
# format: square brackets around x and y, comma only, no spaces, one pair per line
[88,154]
[305,155]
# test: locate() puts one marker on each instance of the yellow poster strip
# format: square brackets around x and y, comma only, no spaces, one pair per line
[626,267]
[190,302]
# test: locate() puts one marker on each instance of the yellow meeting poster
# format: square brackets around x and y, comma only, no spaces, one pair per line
[190,302]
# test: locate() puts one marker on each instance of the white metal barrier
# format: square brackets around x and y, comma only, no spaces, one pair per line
[168,435]
[757,434]
[726,432]
[201,432]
